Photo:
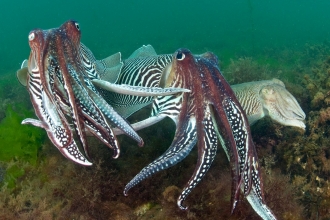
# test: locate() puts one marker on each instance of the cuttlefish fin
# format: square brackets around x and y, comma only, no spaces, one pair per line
[144,51]
[110,74]
[112,60]
[109,68]
[22,73]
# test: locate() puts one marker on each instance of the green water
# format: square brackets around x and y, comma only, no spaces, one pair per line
[271,36]
[241,27]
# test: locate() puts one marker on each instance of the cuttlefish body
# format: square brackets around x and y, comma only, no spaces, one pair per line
[145,68]
[209,112]
[58,83]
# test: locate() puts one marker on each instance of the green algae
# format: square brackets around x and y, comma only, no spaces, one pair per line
[18,143]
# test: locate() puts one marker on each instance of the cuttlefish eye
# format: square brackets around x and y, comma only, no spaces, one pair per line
[77,26]
[31,36]
[180,56]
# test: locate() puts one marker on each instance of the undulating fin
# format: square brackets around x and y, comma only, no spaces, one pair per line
[107,69]
[24,63]
[22,74]
[110,67]
[144,51]
[111,74]
[111,61]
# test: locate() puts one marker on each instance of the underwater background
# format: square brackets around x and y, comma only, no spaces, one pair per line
[254,40]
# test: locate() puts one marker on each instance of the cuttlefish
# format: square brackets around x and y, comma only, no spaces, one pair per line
[57,77]
[210,112]
[145,68]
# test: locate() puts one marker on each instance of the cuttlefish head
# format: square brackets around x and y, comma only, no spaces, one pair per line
[281,106]
[43,43]
[52,43]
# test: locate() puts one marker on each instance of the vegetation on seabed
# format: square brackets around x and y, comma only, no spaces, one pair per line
[39,181]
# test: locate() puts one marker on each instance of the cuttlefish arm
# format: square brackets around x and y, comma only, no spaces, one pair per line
[180,148]
[136,90]
[53,121]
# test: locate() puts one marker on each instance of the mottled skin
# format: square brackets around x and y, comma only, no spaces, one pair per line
[58,84]
[210,110]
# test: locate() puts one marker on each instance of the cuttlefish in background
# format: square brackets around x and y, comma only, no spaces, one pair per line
[57,77]
[269,98]
[210,112]
[145,68]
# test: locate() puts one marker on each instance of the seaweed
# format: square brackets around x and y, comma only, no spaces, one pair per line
[18,143]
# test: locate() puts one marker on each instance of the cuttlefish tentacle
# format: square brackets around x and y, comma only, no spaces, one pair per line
[125,89]
[207,146]
[241,152]
[94,121]
[115,118]
[93,99]
[180,148]
[92,117]
[184,140]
